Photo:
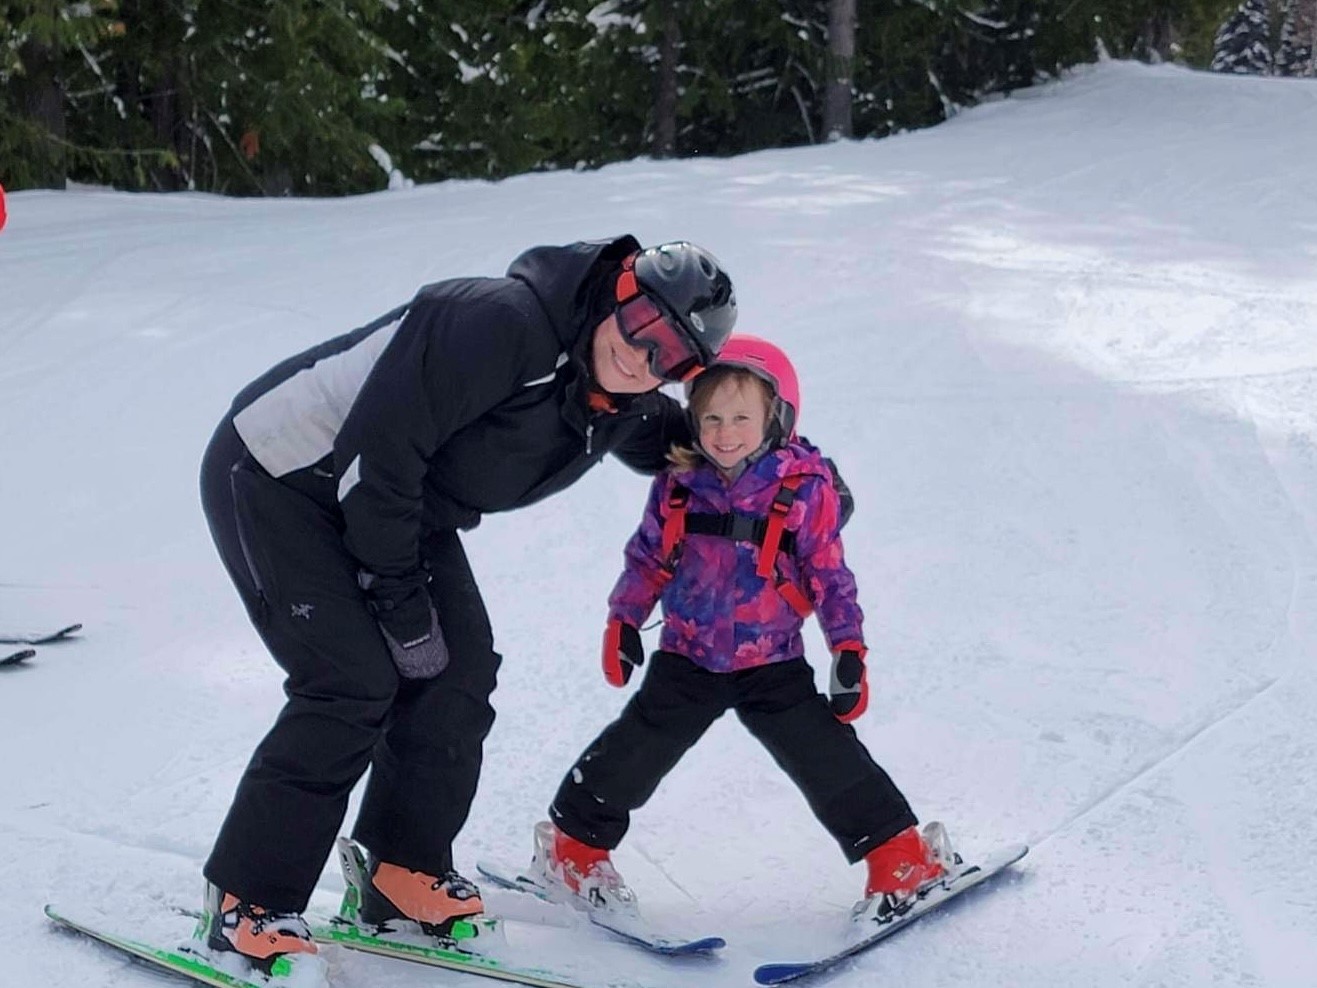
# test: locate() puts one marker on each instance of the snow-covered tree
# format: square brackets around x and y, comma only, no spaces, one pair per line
[1243,43]
[1298,39]
[309,96]
[39,41]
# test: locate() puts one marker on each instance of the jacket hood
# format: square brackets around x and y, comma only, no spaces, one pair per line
[574,283]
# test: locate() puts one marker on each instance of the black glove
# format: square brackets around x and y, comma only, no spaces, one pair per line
[405,613]
[848,687]
[622,652]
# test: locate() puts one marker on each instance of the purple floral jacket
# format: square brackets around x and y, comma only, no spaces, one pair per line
[717,611]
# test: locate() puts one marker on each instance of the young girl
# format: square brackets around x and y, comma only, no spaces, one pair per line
[739,542]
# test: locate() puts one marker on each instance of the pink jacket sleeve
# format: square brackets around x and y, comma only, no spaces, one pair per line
[638,588]
[828,581]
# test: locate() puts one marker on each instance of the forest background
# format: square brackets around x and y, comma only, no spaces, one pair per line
[332,97]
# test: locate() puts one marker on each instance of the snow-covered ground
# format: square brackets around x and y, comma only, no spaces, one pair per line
[1063,349]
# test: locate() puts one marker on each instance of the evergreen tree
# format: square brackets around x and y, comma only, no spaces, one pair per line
[1243,44]
[903,54]
[1152,30]
[332,96]
[722,76]
[1298,37]
[283,96]
[128,93]
[986,47]
[499,87]
[40,40]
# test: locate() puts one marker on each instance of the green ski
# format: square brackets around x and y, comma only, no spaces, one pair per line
[460,950]
[434,953]
[180,960]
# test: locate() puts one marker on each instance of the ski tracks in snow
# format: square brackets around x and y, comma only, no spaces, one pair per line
[1228,709]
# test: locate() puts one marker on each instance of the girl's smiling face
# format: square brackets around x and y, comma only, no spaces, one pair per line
[734,421]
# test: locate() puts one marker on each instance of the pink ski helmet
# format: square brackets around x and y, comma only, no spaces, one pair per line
[767,361]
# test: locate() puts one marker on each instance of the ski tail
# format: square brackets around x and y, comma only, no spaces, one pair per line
[190,959]
[435,952]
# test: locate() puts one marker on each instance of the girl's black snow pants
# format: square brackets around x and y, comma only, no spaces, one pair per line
[851,795]
[347,709]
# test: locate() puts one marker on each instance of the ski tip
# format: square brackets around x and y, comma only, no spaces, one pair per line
[776,974]
[61,918]
[708,943]
[657,943]
[1013,853]
[683,948]
[18,658]
[60,635]
[57,915]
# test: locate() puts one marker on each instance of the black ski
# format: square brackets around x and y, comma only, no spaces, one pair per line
[54,636]
[17,657]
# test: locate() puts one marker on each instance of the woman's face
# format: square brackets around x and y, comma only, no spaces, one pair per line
[734,422]
[618,366]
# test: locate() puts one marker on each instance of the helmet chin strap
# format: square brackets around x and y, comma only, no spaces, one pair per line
[777,433]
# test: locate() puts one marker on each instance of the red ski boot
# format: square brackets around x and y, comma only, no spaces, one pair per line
[584,874]
[902,869]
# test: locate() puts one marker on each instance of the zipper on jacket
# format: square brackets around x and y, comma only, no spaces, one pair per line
[589,438]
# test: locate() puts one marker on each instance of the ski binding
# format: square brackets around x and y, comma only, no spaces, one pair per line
[472,946]
[962,881]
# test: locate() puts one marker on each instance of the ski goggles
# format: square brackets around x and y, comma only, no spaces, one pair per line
[672,356]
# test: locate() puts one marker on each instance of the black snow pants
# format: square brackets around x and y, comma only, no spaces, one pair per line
[851,795]
[347,709]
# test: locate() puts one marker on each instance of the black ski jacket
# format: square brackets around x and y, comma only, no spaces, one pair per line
[471,398]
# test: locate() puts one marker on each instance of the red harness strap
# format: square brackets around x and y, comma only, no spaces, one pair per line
[674,533]
[767,568]
[674,525]
[777,517]
[794,596]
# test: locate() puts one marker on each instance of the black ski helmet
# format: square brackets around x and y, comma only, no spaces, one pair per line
[689,283]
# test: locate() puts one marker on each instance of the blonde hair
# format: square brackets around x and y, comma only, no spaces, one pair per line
[701,393]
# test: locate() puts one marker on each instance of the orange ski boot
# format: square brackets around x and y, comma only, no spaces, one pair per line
[433,903]
[260,935]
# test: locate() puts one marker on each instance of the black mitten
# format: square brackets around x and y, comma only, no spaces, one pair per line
[410,625]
